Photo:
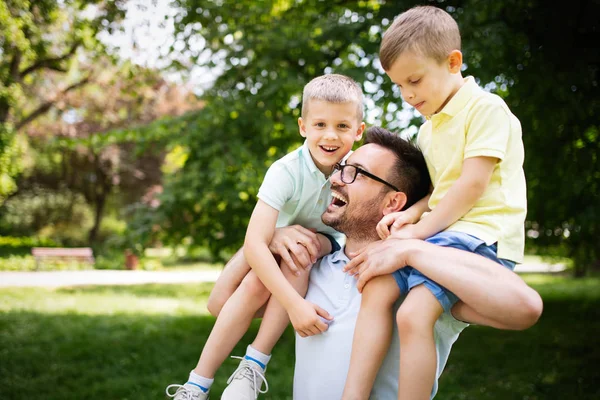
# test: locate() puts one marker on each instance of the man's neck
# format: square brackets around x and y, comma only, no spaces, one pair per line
[352,246]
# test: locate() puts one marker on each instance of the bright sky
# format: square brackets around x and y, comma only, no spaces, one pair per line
[148,34]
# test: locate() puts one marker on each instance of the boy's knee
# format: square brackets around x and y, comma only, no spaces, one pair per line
[410,320]
[381,291]
[254,289]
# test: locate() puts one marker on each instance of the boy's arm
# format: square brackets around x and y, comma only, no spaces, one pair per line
[394,221]
[461,197]
[303,314]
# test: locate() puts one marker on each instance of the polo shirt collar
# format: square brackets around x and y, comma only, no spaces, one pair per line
[339,256]
[310,163]
[460,98]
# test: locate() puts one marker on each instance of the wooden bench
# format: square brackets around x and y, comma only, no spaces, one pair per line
[74,253]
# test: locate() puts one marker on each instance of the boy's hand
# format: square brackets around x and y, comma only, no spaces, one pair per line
[379,258]
[297,246]
[306,318]
[408,231]
[394,221]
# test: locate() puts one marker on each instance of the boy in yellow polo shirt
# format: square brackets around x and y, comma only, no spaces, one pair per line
[474,152]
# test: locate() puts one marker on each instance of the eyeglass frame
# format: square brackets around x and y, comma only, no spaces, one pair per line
[359,170]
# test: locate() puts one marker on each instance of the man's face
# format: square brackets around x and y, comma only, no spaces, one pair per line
[356,208]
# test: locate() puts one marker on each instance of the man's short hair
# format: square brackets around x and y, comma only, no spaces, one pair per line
[409,172]
[333,88]
[426,30]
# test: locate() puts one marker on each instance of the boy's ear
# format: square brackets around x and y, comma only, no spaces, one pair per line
[360,131]
[395,202]
[455,61]
[301,127]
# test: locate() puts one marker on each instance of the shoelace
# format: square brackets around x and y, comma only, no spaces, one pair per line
[188,394]
[246,371]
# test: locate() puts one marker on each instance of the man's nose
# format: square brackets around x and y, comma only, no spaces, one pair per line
[336,178]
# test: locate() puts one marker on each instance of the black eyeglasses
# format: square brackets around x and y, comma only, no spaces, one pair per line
[349,173]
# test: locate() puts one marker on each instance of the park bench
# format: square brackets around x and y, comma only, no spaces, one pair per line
[84,254]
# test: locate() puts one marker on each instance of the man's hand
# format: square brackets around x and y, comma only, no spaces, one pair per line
[297,246]
[307,318]
[394,221]
[379,258]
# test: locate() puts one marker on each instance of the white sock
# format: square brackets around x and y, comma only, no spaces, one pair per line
[259,358]
[200,381]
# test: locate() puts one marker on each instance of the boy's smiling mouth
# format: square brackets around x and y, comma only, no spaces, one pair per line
[329,149]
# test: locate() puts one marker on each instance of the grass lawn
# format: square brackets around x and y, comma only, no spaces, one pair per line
[130,342]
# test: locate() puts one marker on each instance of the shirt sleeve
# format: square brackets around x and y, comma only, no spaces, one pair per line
[488,131]
[277,187]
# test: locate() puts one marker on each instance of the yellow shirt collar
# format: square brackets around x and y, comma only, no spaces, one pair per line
[460,98]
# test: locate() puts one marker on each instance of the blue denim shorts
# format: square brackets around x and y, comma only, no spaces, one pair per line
[408,277]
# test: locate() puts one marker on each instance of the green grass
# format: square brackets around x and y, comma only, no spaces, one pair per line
[130,342]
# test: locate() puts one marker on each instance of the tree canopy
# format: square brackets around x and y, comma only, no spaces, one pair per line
[39,43]
[267,51]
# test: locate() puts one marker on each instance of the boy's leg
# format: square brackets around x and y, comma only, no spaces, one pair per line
[233,273]
[418,358]
[233,321]
[246,382]
[372,335]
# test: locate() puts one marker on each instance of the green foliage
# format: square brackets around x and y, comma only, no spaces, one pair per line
[265,52]
[61,215]
[549,78]
[17,263]
[39,42]
[19,246]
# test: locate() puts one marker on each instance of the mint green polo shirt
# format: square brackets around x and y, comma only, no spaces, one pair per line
[295,187]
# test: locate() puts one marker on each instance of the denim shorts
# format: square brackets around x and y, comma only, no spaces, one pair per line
[408,277]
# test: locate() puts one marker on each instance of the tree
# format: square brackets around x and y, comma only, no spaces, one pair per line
[39,42]
[266,53]
[93,145]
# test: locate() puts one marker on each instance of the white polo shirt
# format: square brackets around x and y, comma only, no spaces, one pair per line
[322,361]
[295,187]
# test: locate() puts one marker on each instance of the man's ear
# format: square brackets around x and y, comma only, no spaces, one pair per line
[395,201]
[301,127]
[455,60]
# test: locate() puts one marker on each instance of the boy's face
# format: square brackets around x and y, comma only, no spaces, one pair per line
[330,130]
[425,83]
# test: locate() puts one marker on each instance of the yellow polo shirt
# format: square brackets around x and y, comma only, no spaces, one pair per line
[476,123]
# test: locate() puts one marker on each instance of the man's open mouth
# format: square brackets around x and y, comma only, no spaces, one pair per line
[338,200]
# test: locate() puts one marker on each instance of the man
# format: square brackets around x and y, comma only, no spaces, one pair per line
[362,196]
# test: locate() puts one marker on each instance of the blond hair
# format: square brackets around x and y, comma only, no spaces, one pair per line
[333,88]
[426,30]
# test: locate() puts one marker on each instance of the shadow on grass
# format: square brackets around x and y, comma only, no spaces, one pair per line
[65,356]
[70,356]
[177,291]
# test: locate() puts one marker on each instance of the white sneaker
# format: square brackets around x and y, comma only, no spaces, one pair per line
[246,382]
[186,392]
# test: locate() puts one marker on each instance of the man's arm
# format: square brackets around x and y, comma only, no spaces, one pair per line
[487,287]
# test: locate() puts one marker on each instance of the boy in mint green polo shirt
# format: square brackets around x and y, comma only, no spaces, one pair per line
[295,190]
[474,153]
